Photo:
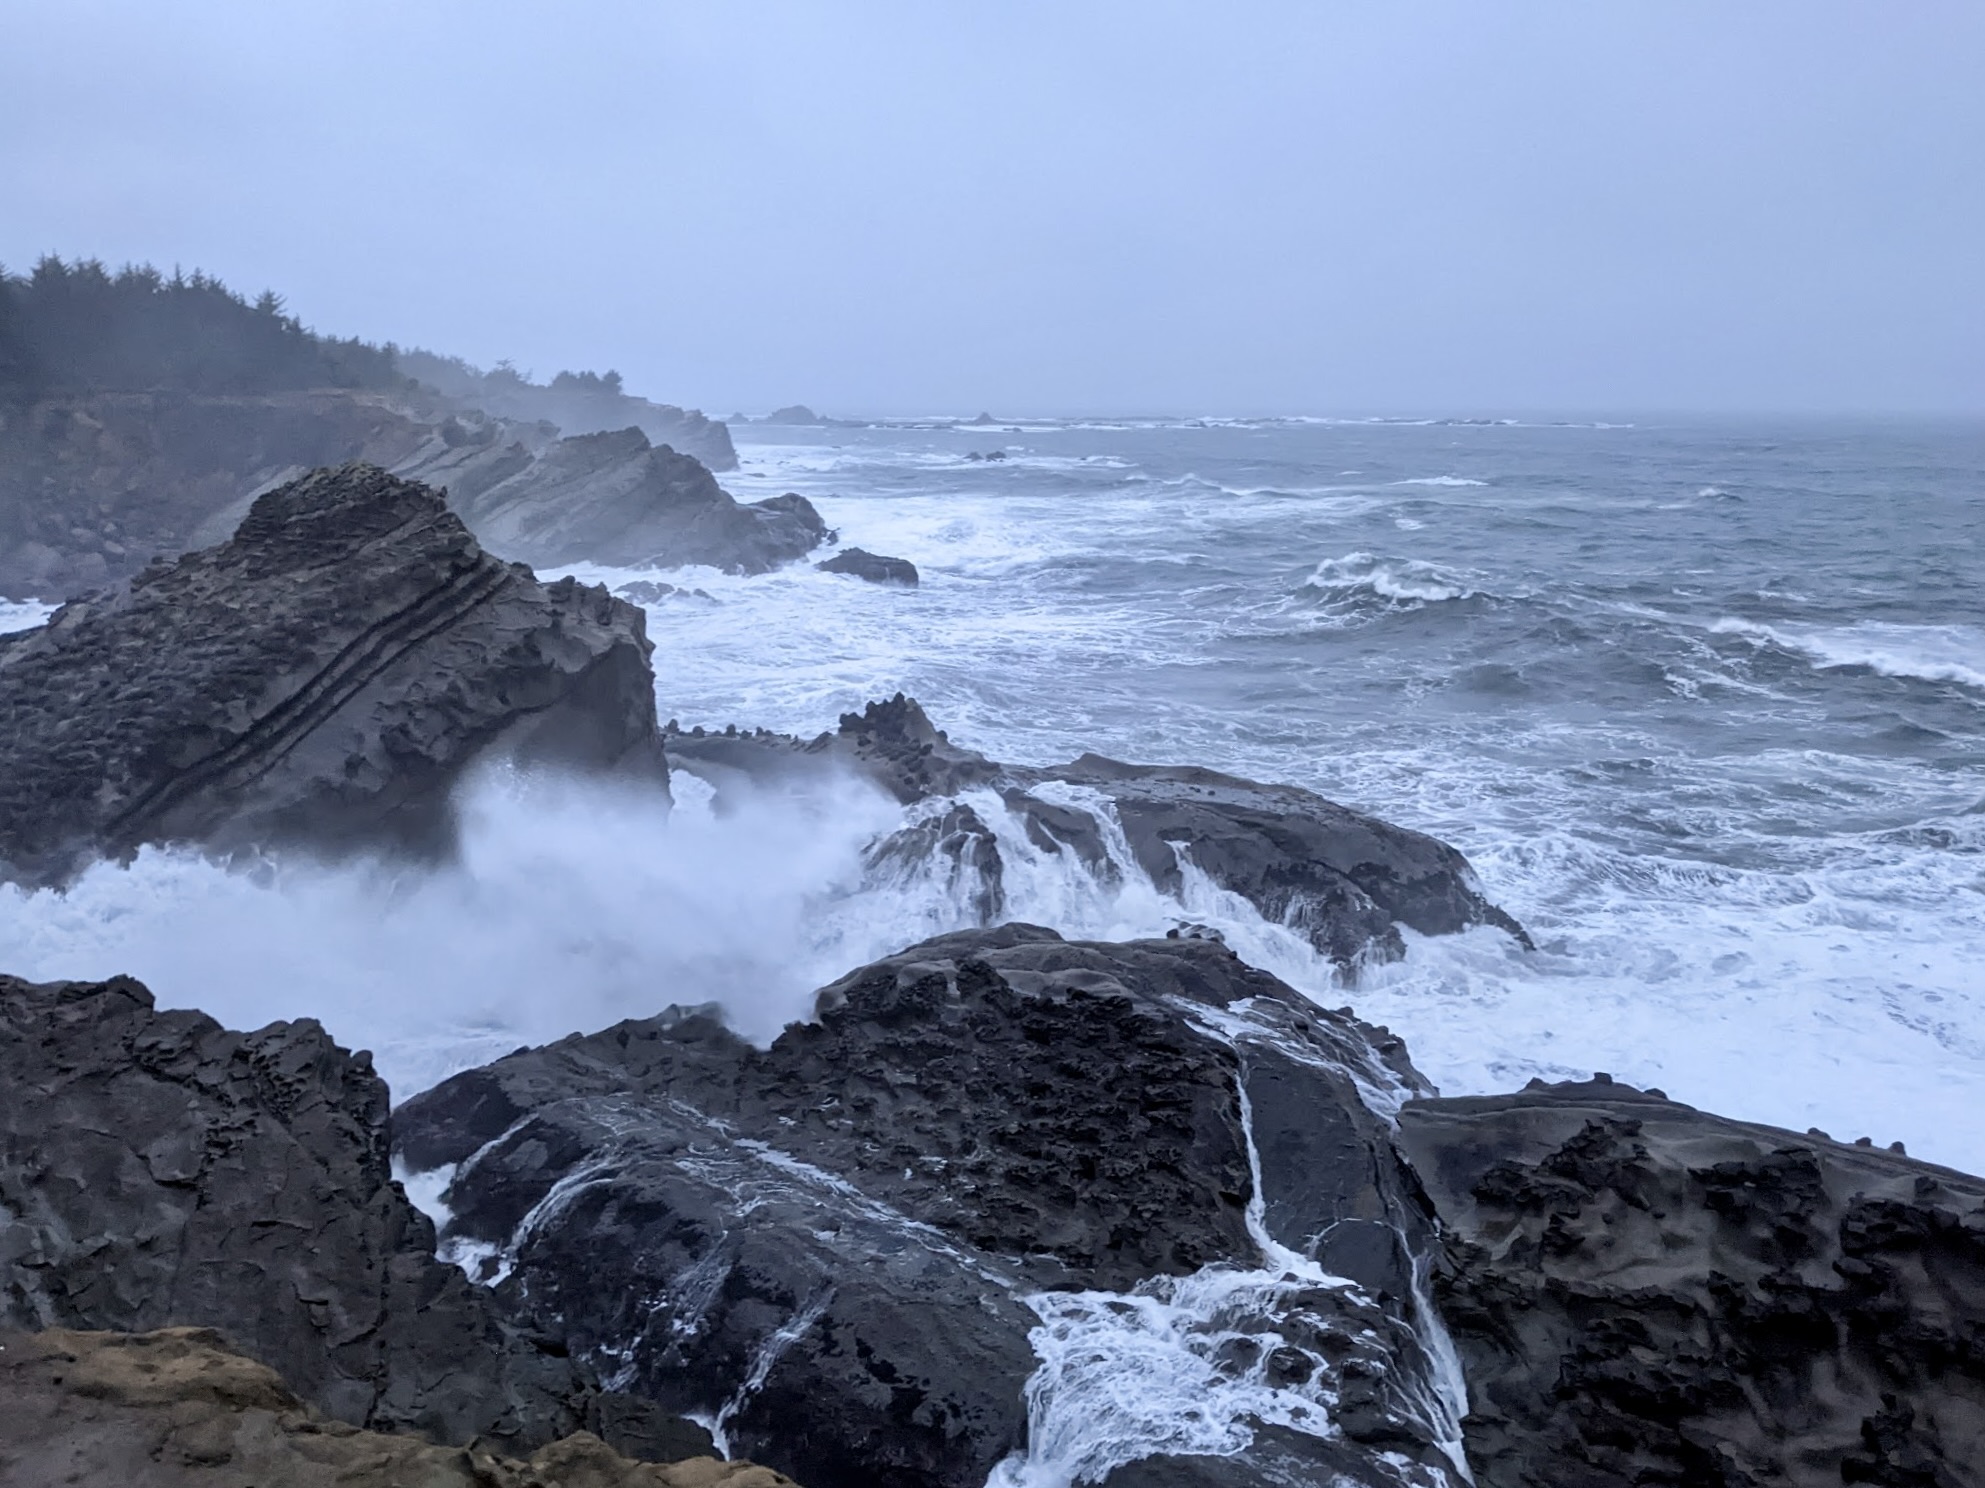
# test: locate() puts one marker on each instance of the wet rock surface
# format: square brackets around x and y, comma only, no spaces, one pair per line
[175,1408]
[1645,1294]
[846,1248]
[158,1170]
[323,678]
[1345,881]
[872,567]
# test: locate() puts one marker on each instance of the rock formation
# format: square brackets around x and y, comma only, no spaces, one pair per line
[871,566]
[852,1249]
[175,1408]
[1344,880]
[92,486]
[323,677]
[1645,1294]
[158,1170]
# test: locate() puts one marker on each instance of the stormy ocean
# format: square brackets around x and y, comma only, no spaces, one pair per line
[1704,705]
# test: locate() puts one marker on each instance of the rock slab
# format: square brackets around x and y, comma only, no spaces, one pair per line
[323,677]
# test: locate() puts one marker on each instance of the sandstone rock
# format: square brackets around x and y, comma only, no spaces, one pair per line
[871,566]
[174,1408]
[830,1246]
[1345,880]
[323,677]
[157,1170]
[1645,1294]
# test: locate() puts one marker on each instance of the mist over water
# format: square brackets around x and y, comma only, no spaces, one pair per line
[1706,708]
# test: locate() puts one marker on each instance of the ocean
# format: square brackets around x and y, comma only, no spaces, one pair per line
[1704,704]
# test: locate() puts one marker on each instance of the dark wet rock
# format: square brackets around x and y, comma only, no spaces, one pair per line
[614,498]
[176,1408]
[1645,1294]
[828,1244]
[871,566]
[792,413]
[986,455]
[322,678]
[1345,880]
[158,1170]
[649,591]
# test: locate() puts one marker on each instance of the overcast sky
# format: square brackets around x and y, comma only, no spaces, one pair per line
[936,205]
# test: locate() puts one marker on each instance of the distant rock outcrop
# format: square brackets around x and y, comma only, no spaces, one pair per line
[175,1408]
[1642,1293]
[871,566]
[158,1170]
[323,677]
[1345,880]
[792,413]
[839,1246]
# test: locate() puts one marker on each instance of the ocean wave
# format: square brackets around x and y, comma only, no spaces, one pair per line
[1440,480]
[1398,581]
[1921,653]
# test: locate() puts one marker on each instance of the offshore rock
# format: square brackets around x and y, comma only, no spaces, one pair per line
[841,1247]
[613,498]
[873,567]
[174,1408]
[321,678]
[158,1170]
[1346,881]
[1645,1294]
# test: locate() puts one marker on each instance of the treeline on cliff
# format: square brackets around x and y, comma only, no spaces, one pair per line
[80,327]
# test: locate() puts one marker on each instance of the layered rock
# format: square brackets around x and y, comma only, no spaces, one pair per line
[856,1250]
[93,486]
[1346,881]
[158,1170]
[1643,1294]
[175,1408]
[323,677]
[873,567]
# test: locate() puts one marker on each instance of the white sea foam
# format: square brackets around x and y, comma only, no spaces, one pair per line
[23,614]
[1401,580]
[1441,480]
[1924,653]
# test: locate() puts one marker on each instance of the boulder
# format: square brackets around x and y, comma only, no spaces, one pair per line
[175,1408]
[322,678]
[1644,1293]
[158,1170]
[871,566]
[1344,880]
[855,1250]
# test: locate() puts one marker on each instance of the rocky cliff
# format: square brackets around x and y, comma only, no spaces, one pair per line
[159,1170]
[93,485]
[1004,1181]
[323,677]
[1346,881]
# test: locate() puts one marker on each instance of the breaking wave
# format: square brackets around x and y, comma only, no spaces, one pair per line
[1922,653]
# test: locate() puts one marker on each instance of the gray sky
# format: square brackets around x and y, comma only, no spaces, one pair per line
[934,205]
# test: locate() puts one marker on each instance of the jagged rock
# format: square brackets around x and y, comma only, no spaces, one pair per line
[1645,1294]
[1347,881]
[158,1170]
[871,566]
[323,677]
[93,486]
[613,498]
[175,1408]
[830,1245]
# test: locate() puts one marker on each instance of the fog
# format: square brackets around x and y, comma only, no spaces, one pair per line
[1097,207]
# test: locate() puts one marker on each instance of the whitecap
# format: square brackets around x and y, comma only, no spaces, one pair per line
[1440,480]
[1923,653]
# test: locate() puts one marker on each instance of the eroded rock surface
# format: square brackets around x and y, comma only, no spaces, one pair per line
[1643,1294]
[839,1246]
[1346,881]
[175,1408]
[322,677]
[158,1170]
